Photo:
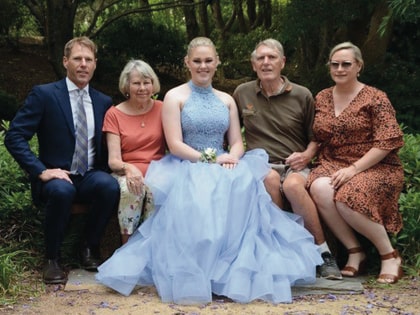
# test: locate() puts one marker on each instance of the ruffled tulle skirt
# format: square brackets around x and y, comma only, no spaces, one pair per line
[214,231]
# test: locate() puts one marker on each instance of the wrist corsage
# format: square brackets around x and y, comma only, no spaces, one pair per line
[208,156]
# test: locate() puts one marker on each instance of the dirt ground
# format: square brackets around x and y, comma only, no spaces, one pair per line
[402,298]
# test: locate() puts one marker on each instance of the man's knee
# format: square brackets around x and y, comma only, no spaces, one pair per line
[58,189]
[106,184]
[294,183]
[272,180]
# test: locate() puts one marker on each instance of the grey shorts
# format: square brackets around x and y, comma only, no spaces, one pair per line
[284,170]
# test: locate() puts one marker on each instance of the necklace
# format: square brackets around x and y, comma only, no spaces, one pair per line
[143,124]
[147,109]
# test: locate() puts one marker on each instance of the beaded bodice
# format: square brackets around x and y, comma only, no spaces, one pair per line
[204,119]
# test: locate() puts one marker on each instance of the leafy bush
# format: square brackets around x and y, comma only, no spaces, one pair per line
[410,157]
[20,227]
[409,202]
[9,106]
[14,280]
[133,37]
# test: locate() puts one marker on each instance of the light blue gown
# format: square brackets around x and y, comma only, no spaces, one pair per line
[215,231]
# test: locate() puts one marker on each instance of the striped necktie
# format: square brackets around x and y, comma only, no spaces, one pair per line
[81,149]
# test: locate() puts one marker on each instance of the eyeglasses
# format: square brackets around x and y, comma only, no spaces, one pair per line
[344,64]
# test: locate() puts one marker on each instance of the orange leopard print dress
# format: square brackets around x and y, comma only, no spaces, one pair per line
[369,121]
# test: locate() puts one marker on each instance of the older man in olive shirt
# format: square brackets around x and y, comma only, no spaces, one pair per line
[278,117]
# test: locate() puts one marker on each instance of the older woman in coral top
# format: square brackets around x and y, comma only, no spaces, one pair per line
[134,135]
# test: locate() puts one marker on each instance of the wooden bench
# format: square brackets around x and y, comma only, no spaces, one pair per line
[78,208]
[111,239]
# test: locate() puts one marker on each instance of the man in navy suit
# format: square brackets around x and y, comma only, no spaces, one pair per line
[49,112]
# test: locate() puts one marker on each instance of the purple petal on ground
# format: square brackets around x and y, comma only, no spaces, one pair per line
[331,297]
[103,304]
[370,295]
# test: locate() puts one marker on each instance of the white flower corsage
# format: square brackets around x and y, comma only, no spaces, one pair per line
[208,156]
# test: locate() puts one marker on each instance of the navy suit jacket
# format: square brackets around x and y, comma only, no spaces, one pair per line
[47,113]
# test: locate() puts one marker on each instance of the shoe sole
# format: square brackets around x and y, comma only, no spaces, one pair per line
[56,281]
[332,277]
[91,269]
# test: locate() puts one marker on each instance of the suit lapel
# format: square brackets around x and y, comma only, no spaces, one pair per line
[63,100]
[97,116]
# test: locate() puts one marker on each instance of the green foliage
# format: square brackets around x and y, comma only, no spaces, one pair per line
[20,224]
[15,279]
[9,106]
[408,238]
[132,37]
[400,79]
[14,186]
[235,53]
[409,203]
[20,228]
[410,157]
[16,21]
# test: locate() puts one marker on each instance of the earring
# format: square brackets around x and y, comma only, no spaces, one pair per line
[127,95]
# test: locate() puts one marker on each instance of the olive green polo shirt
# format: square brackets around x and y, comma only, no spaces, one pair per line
[281,124]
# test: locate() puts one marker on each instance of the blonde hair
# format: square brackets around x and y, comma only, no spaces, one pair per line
[348,45]
[83,41]
[141,68]
[198,42]
[271,43]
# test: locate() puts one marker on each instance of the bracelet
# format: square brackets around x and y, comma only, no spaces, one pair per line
[208,156]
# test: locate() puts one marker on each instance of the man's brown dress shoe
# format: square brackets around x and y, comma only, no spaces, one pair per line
[53,274]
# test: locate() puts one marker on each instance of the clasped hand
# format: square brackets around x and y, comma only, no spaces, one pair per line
[135,184]
[227,160]
[342,176]
[297,161]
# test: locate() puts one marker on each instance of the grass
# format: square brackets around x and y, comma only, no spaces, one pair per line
[16,280]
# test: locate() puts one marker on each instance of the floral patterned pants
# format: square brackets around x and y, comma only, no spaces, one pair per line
[133,209]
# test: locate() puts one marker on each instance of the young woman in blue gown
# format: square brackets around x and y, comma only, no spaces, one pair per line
[215,229]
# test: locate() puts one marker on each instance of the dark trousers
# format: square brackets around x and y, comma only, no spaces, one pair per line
[97,188]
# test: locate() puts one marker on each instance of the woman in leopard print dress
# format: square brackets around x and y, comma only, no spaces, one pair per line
[358,177]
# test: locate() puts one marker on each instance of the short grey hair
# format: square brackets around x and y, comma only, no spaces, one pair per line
[271,43]
[143,69]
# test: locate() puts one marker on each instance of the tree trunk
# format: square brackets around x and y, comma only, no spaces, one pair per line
[59,30]
[190,20]
[240,16]
[375,45]
[204,19]
[218,17]
[251,11]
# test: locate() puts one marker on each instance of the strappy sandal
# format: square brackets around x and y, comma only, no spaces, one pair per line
[386,278]
[355,272]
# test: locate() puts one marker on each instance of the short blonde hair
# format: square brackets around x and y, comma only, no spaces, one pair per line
[271,43]
[348,45]
[83,41]
[141,68]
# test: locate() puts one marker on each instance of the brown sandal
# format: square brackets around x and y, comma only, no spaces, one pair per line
[385,278]
[362,263]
